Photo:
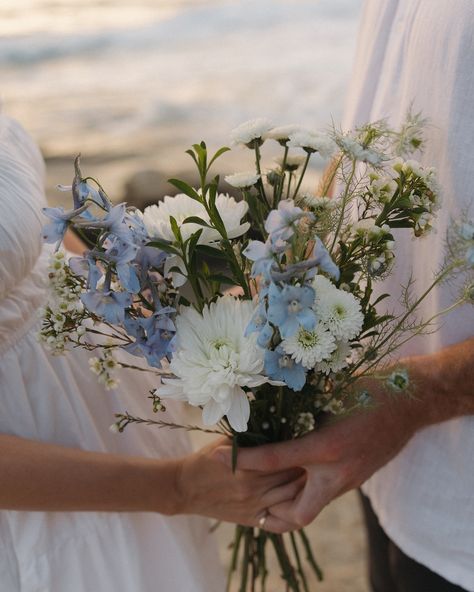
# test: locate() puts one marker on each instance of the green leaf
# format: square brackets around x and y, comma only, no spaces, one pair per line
[193,156]
[221,278]
[196,220]
[220,152]
[193,241]
[164,246]
[210,251]
[186,189]
[176,230]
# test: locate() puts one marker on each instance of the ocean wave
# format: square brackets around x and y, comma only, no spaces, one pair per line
[208,24]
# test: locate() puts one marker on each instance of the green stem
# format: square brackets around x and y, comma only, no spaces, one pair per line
[298,562]
[235,554]
[305,166]
[281,182]
[310,556]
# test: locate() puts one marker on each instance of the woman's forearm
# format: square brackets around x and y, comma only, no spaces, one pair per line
[48,477]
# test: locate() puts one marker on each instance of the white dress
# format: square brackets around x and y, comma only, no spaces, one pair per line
[421,52]
[57,399]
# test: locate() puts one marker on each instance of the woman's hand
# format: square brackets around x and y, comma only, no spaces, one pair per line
[208,487]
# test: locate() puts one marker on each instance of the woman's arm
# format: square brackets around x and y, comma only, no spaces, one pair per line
[49,477]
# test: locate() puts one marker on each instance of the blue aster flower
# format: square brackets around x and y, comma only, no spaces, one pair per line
[289,307]
[280,366]
[107,305]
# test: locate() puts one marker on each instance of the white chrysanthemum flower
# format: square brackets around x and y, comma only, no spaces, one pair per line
[214,361]
[247,132]
[282,133]
[313,142]
[310,347]
[242,180]
[337,360]
[340,312]
[156,219]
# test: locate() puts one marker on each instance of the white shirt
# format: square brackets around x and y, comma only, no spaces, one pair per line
[422,52]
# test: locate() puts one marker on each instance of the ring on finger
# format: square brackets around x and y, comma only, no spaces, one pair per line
[263,519]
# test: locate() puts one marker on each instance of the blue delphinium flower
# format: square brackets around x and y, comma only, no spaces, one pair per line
[324,260]
[54,231]
[122,253]
[289,307]
[280,224]
[149,258]
[259,323]
[154,336]
[114,222]
[280,366]
[264,254]
[86,267]
[107,304]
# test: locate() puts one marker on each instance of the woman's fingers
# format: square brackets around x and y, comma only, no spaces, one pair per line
[271,480]
[278,525]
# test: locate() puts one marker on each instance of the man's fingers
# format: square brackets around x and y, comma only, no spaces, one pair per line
[287,492]
[276,457]
[272,480]
[308,503]
[277,525]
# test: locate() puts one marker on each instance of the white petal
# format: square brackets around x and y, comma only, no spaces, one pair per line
[239,412]
[212,412]
[177,278]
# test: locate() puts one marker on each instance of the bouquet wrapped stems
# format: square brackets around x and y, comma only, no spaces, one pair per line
[249,546]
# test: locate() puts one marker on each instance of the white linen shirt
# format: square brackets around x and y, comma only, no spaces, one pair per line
[421,52]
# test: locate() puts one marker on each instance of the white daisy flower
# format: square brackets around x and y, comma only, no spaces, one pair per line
[338,359]
[313,142]
[340,312]
[242,180]
[247,132]
[214,361]
[310,347]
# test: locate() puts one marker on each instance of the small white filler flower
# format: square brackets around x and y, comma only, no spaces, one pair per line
[214,361]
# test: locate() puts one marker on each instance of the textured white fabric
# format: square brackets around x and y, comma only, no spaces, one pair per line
[57,399]
[422,51]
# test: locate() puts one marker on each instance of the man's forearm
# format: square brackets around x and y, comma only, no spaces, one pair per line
[444,382]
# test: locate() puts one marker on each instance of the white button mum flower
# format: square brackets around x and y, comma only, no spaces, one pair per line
[340,312]
[310,347]
[247,132]
[214,361]
[242,180]
[313,142]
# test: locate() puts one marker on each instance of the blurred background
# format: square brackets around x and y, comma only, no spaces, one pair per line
[131,84]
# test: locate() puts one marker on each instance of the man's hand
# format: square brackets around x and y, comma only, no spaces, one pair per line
[344,453]
[337,457]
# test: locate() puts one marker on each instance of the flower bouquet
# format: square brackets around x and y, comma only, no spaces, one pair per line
[305,323]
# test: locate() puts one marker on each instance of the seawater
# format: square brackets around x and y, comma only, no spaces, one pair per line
[116,76]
